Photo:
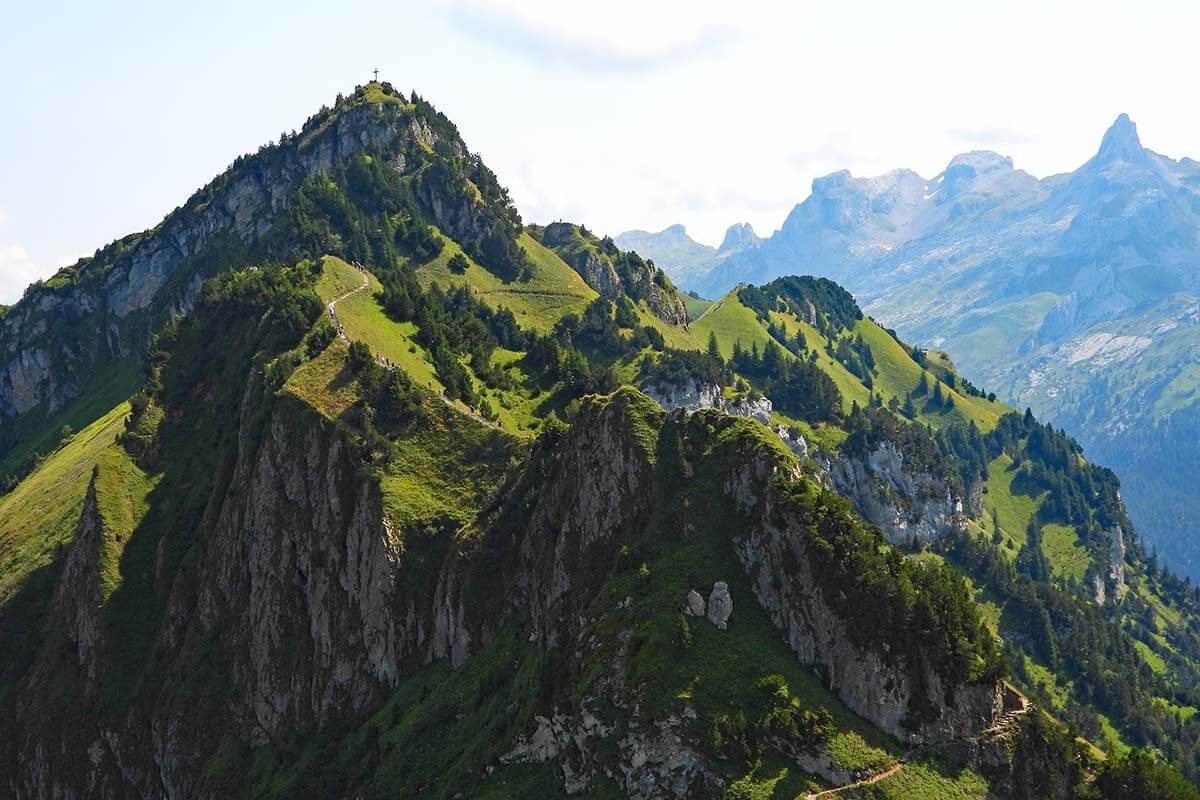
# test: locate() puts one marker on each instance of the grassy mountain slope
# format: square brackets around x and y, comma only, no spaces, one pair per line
[552,291]
[895,375]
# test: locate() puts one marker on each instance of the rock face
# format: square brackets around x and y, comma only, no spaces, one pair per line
[738,236]
[757,408]
[720,605]
[875,686]
[691,397]
[696,395]
[902,502]
[795,442]
[296,579]
[695,604]
[1111,581]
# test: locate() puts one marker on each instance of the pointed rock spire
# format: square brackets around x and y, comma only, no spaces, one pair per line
[1121,142]
[737,236]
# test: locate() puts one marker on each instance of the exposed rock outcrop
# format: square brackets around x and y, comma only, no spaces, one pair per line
[902,501]
[691,397]
[876,686]
[794,441]
[697,395]
[720,605]
[754,407]
[297,580]
[1116,566]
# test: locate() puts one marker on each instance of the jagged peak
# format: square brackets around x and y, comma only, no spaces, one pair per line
[878,184]
[1121,142]
[737,236]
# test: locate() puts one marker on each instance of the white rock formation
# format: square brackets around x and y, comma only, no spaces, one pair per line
[720,605]
[758,408]
[691,397]
[796,444]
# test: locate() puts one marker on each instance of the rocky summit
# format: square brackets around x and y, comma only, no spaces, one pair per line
[344,481]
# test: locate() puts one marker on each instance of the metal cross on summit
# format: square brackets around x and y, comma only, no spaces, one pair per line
[377,76]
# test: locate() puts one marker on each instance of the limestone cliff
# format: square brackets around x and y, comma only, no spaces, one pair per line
[904,502]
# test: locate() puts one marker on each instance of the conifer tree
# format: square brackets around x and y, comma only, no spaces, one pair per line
[714,349]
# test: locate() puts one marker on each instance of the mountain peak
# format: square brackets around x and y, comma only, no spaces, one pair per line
[980,162]
[1121,141]
[738,236]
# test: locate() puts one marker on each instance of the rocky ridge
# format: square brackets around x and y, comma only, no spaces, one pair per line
[301,578]
[128,290]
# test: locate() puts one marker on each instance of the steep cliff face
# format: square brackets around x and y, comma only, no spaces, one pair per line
[690,397]
[904,502]
[872,681]
[291,589]
[301,569]
[695,395]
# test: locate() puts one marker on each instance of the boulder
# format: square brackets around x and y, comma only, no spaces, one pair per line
[720,605]
[695,604]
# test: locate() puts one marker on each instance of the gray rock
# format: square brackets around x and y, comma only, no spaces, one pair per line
[773,553]
[758,408]
[720,605]
[797,444]
[902,501]
[695,604]
[691,397]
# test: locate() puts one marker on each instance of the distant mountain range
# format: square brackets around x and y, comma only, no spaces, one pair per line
[682,257]
[1074,294]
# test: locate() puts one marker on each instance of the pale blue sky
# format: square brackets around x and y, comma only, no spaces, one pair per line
[617,114]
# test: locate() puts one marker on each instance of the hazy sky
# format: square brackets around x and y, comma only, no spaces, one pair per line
[616,114]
